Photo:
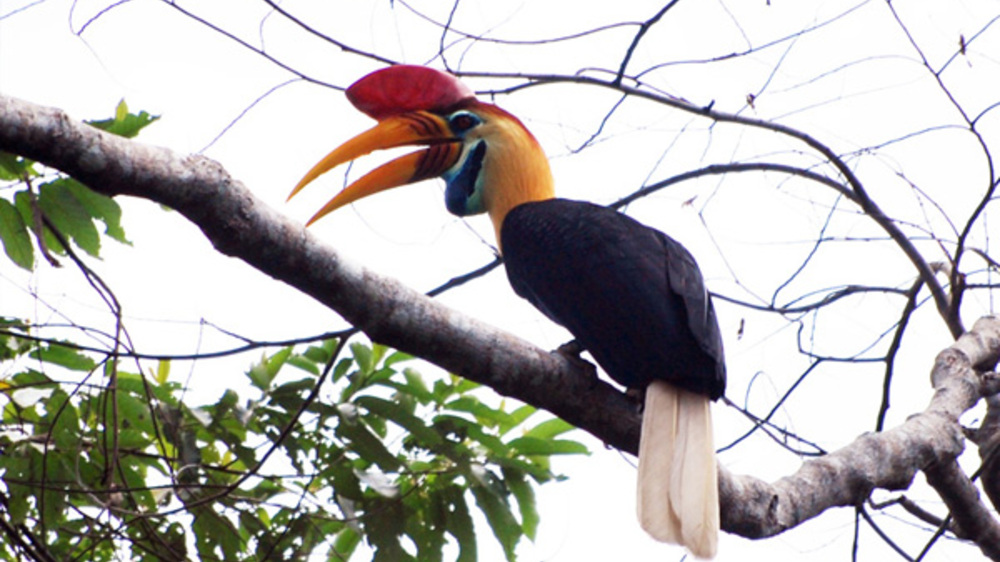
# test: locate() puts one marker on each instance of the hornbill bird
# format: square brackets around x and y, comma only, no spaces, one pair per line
[630,295]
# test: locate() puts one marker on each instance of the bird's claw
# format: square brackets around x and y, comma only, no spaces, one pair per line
[571,351]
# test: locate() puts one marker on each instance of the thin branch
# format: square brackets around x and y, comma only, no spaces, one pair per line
[516,42]
[263,53]
[280,438]
[240,225]
[645,27]
[854,187]
[953,311]
[894,346]
[316,33]
[882,535]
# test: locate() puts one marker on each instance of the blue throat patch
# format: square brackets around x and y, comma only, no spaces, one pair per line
[460,195]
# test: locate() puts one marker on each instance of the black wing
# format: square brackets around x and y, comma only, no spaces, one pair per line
[631,295]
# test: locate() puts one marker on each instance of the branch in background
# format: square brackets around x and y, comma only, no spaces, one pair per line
[851,185]
[929,441]
[240,225]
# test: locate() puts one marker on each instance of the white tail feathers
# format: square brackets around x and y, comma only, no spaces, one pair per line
[678,492]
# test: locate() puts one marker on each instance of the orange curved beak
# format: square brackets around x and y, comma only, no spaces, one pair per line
[417,128]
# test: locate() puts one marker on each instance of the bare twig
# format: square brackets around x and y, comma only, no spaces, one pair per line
[240,225]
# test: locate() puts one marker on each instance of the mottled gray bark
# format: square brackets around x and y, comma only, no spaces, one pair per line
[240,225]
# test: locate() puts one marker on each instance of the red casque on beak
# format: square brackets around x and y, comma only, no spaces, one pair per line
[406,129]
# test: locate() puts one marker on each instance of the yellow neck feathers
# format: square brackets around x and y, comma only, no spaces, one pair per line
[515,169]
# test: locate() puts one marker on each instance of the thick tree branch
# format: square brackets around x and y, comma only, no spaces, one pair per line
[929,441]
[240,225]
[988,439]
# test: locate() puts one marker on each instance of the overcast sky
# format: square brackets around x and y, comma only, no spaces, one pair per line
[853,81]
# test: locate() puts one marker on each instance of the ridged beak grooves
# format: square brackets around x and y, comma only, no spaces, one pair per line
[405,129]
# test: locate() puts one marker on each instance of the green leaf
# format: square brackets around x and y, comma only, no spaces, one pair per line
[449,424]
[65,421]
[342,368]
[11,344]
[384,524]
[485,415]
[320,354]
[344,545]
[397,357]
[345,481]
[516,418]
[493,504]
[425,527]
[13,167]
[54,496]
[463,385]
[133,439]
[277,360]
[366,444]
[363,357]
[251,524]
[538,467]
[133,412]
[125,124]
[263,373]
[398,415]
[31,377]
[415,386]
[15,238]
[215,531]
[162,371]
[290,395]
[64,356]
[23,200]
[535,446]
[265,490]
[458,523]
[378,353]
[525,496]
[136,485]
[226,403]
[259,376]
[100,207]
[550,428]
[69,216]
[129,382]
[17,468]
[304,363]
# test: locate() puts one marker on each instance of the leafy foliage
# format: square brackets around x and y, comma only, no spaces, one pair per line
[120,460]
[61,209]
[125,124]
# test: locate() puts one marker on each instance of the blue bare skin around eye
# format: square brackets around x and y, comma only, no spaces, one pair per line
[462,185]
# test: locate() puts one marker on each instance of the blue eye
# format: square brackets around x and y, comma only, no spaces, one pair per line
[462,121]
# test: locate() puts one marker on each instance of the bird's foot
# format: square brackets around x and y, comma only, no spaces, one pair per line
[637,396]
[571,351]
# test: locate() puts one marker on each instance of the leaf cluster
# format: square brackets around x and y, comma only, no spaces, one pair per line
[122,461]
[59,210]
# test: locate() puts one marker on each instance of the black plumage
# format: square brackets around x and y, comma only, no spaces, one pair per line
[629,294]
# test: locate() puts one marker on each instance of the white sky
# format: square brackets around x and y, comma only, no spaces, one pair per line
[853,84]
